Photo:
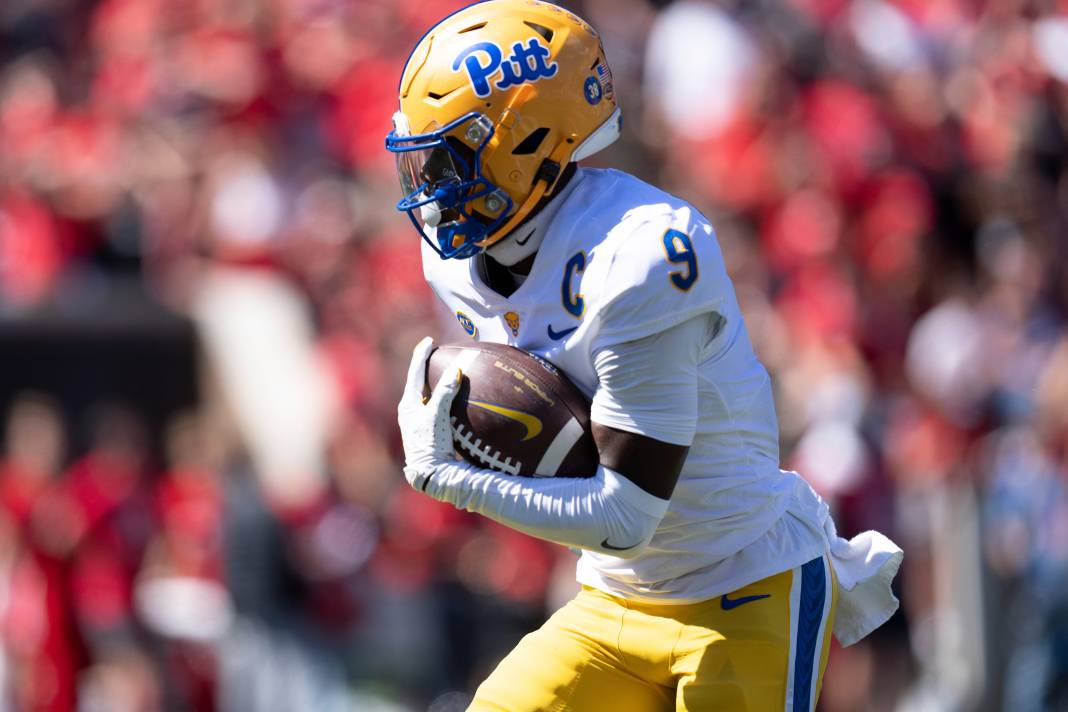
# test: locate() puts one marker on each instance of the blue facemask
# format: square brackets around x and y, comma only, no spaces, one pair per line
[434,173]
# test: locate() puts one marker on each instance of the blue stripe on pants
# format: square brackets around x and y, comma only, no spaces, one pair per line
[809,617]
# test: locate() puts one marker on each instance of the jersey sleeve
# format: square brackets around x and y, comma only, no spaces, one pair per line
[637,394]
[666,268]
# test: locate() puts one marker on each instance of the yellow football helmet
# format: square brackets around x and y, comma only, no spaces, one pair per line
[494,100]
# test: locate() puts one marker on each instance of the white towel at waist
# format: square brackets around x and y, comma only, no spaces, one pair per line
[865,566]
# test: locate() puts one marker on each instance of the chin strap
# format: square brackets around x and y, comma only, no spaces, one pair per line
[543,183]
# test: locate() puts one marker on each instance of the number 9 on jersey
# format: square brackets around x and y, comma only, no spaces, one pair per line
[679,251]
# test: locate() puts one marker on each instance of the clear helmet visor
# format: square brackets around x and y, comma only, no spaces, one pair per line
[430,175]
[410,168]
[445,193]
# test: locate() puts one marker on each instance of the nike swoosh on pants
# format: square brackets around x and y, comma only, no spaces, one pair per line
[727,603]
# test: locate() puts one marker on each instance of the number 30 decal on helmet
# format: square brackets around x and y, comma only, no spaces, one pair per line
[494,101]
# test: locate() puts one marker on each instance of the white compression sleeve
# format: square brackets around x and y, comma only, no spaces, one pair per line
[647,386]
[606,513]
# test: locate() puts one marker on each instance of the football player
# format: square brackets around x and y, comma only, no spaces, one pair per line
[711,579]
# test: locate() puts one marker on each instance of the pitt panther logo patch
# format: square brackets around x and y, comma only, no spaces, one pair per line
[484,60]
[512,319]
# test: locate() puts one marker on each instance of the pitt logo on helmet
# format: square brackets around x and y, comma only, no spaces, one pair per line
[526,64]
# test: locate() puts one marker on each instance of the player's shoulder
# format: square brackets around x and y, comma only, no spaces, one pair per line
[614,199]
[655,233]
[612,215]
[616,206]
[657,259]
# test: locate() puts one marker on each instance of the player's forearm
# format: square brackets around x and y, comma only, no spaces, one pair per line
[605,513]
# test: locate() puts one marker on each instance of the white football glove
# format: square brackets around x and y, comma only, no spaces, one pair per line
[424,424]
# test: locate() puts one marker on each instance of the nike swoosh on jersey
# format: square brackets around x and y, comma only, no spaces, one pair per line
[530,422]
[526,239]
[728,603]
[606,545]
[557,335]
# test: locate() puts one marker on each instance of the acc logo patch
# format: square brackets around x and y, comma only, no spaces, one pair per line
[527,63]
[467,325]
[512,319]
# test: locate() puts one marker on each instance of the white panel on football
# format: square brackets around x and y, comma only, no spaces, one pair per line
[560,447]
[465,359]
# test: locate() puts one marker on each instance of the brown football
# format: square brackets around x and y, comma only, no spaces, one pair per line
[516,413]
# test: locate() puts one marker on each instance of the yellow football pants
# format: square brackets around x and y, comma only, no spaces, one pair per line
[762,647]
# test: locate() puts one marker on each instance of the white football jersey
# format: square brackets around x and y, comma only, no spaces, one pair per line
[622,260]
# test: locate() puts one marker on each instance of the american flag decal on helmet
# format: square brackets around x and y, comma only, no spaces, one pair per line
[604,74]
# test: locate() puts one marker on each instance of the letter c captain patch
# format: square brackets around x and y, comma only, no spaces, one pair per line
[573,302]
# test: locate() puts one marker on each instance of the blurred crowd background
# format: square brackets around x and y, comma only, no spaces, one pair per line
[207,304]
